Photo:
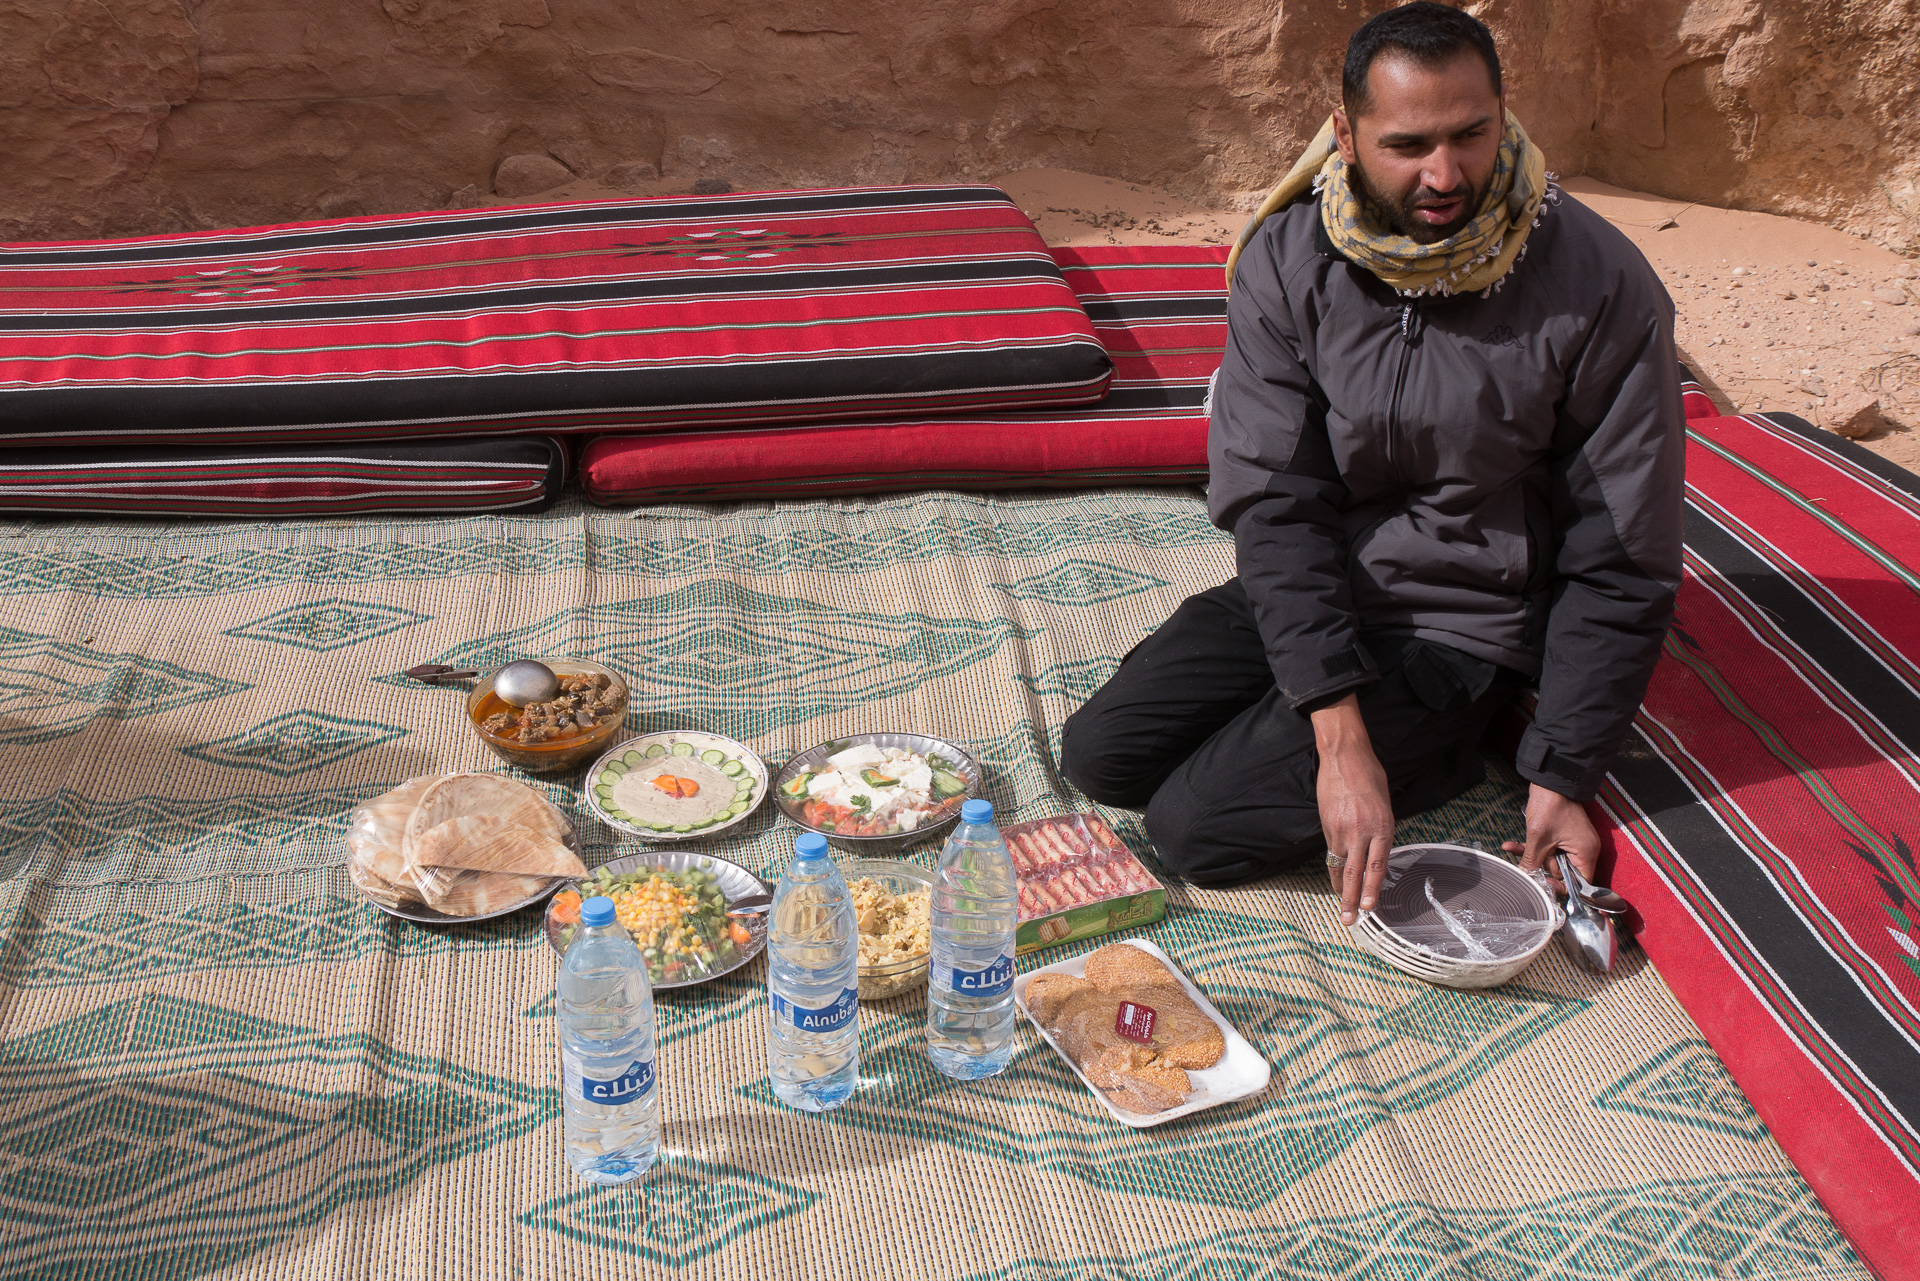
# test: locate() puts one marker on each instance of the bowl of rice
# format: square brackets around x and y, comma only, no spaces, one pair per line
[892,902]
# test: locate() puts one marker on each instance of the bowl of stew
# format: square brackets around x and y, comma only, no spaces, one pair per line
[544,738]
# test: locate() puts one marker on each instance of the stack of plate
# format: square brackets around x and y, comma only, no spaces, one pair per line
[1509,916]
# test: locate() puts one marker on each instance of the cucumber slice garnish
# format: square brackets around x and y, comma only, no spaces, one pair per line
[659,827]
[713,756]
[656,750]
[745,787]
[604,792]
[608,778]
[733,769]
[683,749]
[737,808]
[683,827]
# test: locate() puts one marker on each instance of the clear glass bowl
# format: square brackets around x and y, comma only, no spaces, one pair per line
[559,754]
[895,978]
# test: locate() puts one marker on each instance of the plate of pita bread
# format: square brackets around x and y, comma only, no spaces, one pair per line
[1139,1034]
[460,847]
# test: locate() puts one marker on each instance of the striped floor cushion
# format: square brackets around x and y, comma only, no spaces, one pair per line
[499,473]
[1160,312]
[1765,815]
[632,315]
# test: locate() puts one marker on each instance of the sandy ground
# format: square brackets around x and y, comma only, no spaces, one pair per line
[1773,314]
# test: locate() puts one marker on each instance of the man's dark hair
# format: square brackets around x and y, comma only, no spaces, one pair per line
[1428,34]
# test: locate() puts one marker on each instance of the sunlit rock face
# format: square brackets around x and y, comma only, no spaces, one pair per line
[147,115]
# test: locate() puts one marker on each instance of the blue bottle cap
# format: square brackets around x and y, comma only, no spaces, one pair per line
[977,812]
[810,845]
[597,910]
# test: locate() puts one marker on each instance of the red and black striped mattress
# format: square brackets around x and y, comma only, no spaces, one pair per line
[615,315]
[491,474]
[1159,311]
[1765,815]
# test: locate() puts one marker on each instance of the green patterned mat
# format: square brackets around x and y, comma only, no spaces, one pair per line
[216,1062]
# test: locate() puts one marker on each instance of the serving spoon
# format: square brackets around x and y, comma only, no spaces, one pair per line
[1587,935]
[1598,897]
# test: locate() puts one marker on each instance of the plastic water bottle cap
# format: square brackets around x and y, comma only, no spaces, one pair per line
[597,910]
[810,845]
[977,812]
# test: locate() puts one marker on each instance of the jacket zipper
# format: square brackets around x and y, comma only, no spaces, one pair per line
[1407,315]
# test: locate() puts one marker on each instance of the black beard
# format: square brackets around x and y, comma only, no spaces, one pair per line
[1400,216]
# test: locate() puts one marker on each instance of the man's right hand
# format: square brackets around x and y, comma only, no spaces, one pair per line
[1355,811]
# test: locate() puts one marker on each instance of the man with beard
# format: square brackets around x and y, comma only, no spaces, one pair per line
[1446,438]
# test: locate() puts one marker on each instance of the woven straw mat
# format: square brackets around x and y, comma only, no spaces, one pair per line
[217,1061]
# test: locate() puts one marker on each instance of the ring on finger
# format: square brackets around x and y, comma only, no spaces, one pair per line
[1335,860]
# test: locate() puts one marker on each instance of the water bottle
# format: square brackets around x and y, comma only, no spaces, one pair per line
[605,1018]
[976,909]
[813,982]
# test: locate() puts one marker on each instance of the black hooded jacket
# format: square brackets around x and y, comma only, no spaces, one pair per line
[1502,475]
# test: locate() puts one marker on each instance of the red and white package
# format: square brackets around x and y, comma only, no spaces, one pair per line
[1072,861]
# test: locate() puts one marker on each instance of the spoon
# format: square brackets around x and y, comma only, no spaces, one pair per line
[1587,936]
[1598,897]
[751,905]
[1605,901]
[525,681]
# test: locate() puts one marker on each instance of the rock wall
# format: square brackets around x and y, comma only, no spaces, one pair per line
[144,115]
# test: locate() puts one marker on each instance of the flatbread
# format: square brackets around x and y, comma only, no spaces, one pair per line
[377,838]
[478,893]
[484,843]
[473,795]
[380,889]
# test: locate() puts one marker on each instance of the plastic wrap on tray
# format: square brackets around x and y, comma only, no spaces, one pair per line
[460,844]
[1077,879]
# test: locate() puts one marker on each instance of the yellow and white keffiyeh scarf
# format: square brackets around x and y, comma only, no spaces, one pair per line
[1477,257]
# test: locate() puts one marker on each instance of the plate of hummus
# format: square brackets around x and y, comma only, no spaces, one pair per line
[676,785]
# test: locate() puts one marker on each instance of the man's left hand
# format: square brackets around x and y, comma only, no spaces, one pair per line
[1557,825]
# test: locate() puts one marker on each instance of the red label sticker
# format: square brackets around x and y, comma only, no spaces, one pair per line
[1135,1022]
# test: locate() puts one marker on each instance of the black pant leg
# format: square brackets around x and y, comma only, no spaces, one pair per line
[1199,670]
[1245,803]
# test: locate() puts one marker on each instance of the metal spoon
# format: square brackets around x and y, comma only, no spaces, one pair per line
[751,905]
[1587,936]
[525,681]
[1605,901]
[1598,897]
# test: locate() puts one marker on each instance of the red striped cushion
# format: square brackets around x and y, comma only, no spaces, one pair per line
[1694,397]
[1161,313]
[501,473]
[635,315]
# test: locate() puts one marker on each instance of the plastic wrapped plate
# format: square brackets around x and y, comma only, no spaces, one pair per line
[1457,917]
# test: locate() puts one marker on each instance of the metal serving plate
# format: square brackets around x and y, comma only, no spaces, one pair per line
[879,846]
[735,881]
[700,741]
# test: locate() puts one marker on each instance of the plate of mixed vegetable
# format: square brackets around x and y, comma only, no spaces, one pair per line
[877,791]
[674,903]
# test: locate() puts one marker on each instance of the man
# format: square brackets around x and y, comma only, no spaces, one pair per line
[1446,437]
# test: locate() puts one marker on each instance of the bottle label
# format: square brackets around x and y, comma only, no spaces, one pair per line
[995,980]
[631,1086]
[805,1018]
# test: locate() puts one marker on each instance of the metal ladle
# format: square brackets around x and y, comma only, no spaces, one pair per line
[1587,936]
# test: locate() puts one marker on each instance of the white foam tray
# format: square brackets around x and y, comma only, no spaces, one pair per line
[1240,1073]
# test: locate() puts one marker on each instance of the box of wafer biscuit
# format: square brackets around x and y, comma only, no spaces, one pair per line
[1077,879]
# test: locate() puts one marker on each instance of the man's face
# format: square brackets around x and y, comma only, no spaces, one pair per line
[1424,148]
